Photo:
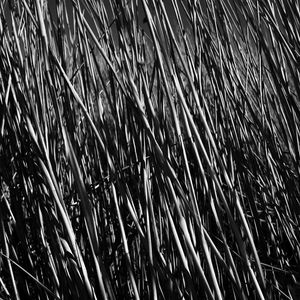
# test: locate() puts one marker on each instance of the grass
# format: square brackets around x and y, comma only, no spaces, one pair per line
[149,152]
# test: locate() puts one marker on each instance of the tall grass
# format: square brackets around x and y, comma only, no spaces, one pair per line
[149,152]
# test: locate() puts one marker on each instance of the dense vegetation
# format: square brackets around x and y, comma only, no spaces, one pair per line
[149,152]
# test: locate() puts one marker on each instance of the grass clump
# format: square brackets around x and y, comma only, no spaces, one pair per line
[149,151]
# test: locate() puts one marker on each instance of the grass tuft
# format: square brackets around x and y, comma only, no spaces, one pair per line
[149,149]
